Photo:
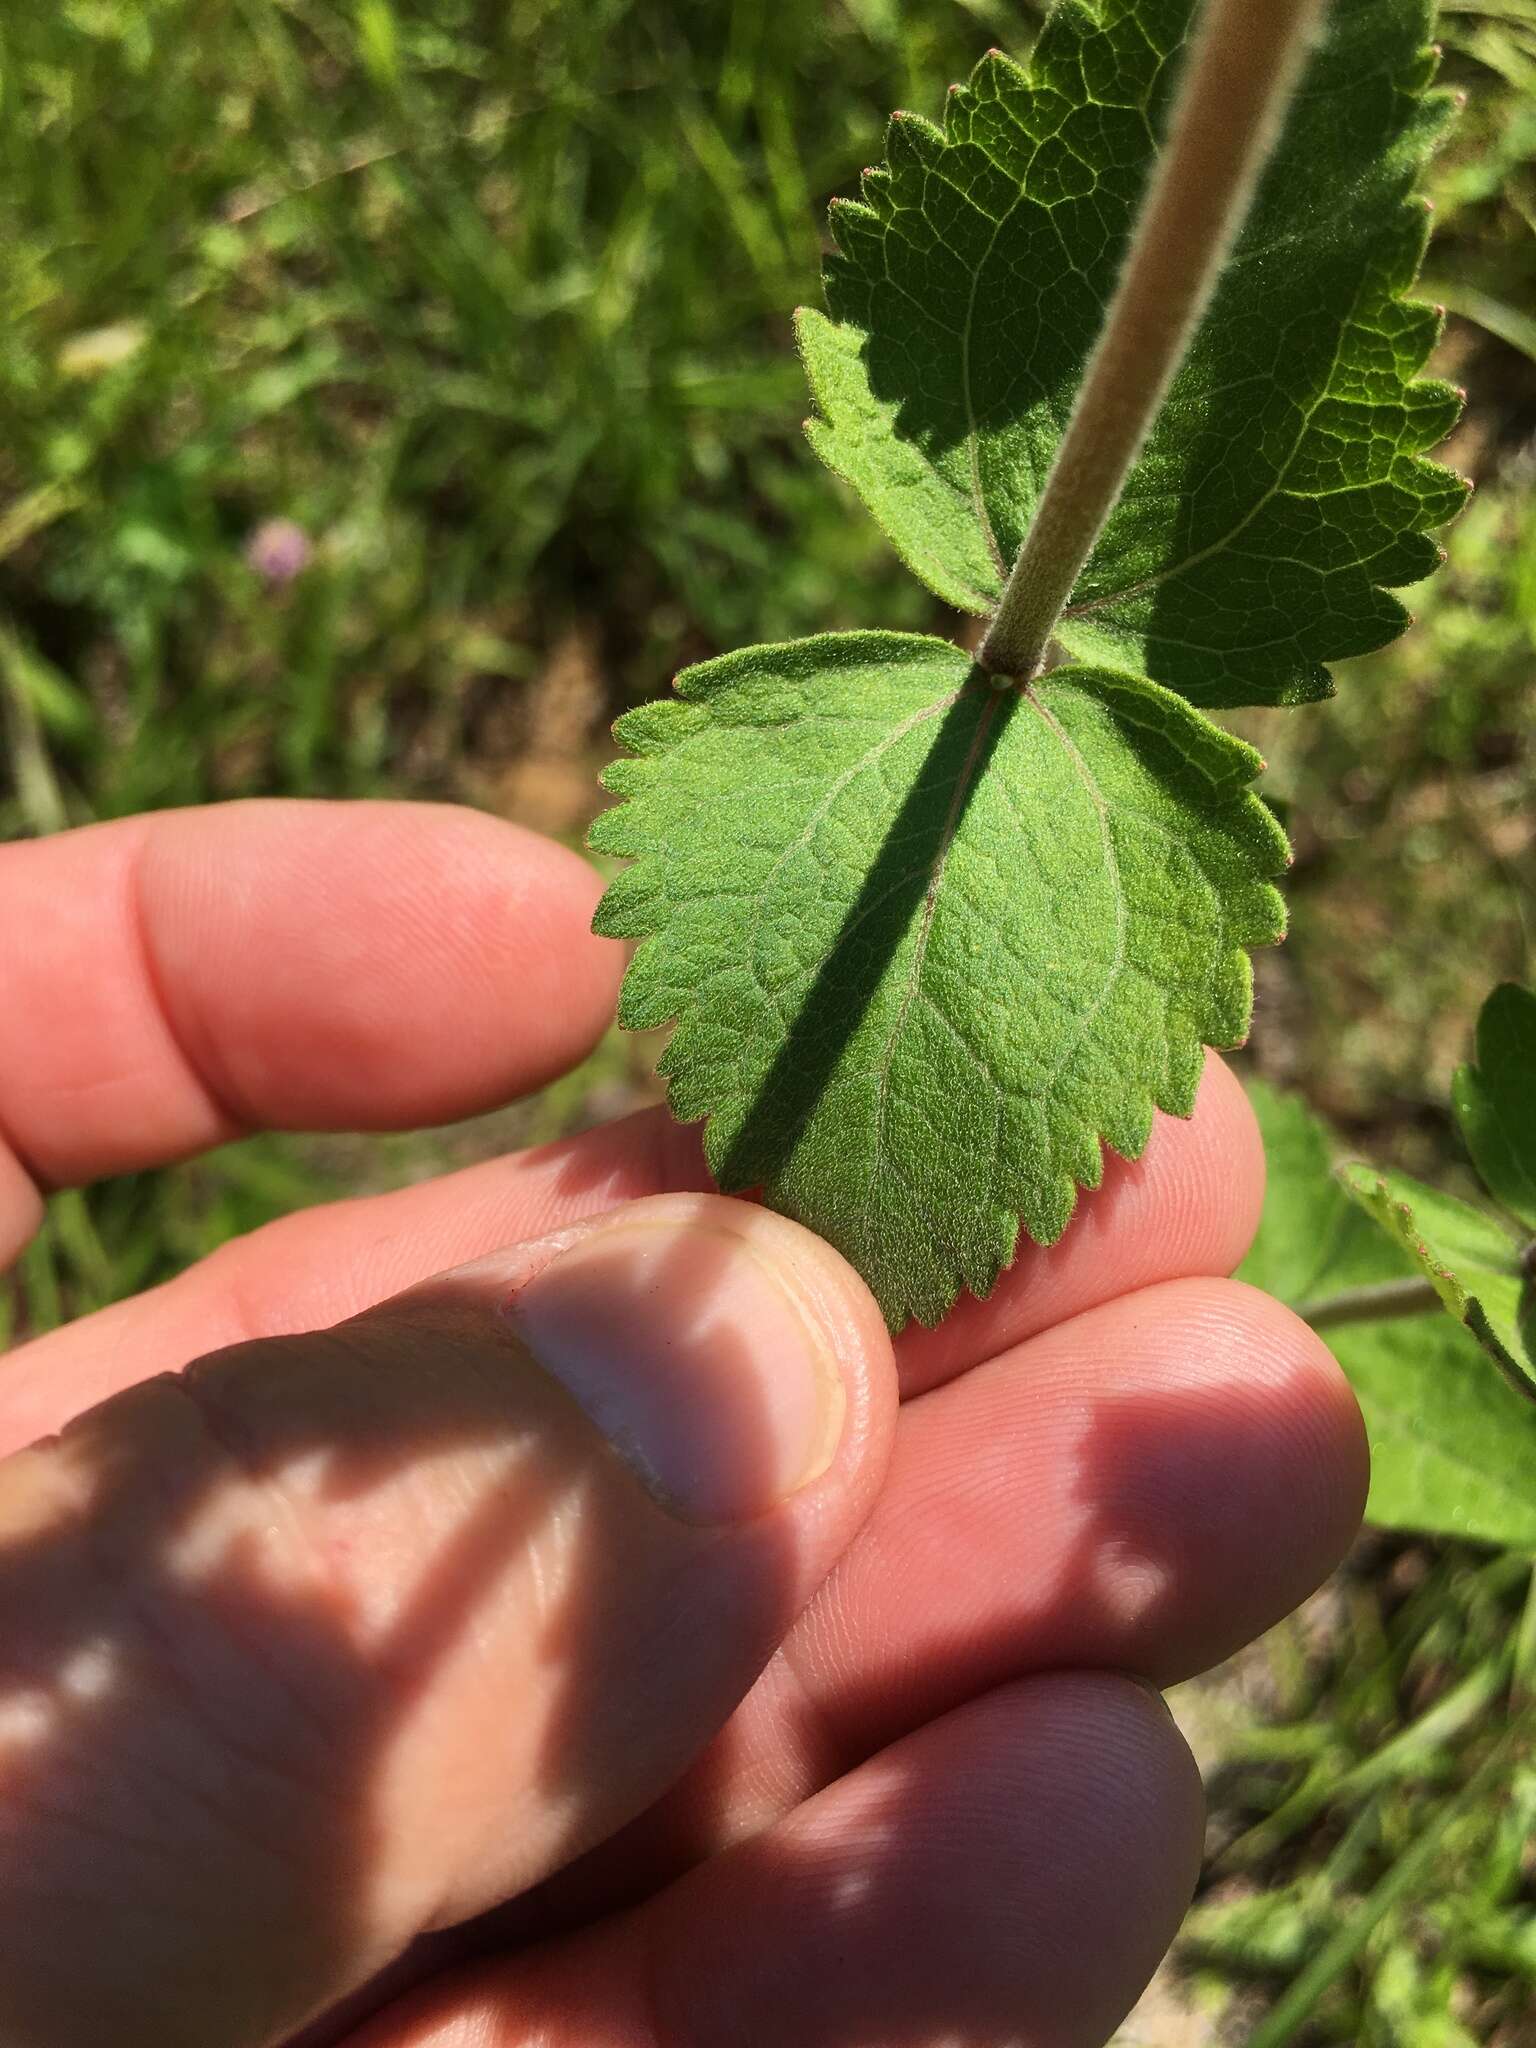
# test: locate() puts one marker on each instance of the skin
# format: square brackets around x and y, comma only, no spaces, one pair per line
[355,1687]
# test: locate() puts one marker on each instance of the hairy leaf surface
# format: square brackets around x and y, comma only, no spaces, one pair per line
[1470,1257]
[1453,1448]
[1283,491]
[927,942]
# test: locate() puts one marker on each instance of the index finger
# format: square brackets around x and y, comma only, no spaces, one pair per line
[1186,1209]
[178,979]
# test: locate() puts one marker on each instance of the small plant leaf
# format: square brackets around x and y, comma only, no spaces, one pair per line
[1283,492]
[1470,1257]
[926,942]
[1313,1241]
[1495,1101]
[1453,1448]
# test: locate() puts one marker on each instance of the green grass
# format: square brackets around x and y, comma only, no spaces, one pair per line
[496,307]
[493,301]
[1368,1880]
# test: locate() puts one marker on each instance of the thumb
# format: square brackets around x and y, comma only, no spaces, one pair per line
[338,1638]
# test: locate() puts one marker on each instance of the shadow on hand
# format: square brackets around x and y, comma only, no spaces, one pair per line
[1172,1509]
[255,1626]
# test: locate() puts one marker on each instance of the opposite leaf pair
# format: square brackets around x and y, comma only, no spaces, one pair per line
[929,942]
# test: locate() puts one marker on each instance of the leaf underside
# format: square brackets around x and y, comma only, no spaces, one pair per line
[943,939]
[1453,1449]
[1283,490]
[1470,1258]
[929,946]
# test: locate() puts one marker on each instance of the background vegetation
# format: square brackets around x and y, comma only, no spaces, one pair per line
[490,304]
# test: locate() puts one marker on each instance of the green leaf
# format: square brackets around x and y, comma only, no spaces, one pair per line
[927,942]
[1453,1448]
[1496,1101]
[1283,490]
[1470,1257]
[1313,1241]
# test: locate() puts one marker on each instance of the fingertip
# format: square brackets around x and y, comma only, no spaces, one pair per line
[454,965]
[771,1374]
[1146,1486]
[1012,1872]
[525,914]
[1108,1742]
[1327,1468]
[1235,1462]
[1015,1871]
[1221,1152]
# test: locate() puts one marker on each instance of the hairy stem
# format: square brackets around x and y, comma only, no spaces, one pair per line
[1374,1304]
[1237,79]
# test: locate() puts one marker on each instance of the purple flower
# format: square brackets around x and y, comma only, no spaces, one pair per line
[278,550]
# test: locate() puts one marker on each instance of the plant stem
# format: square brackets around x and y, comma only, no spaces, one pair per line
[1225,119]
[1384,1300]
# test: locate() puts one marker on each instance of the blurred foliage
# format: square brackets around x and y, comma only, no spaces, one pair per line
[1411,801]
[1370,1878]
[1484,259]
[492,302]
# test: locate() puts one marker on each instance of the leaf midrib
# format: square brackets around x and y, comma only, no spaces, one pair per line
[957,801]
[807,831]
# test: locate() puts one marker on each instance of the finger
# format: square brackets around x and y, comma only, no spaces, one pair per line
[1144,1488]
[184,977]
[1189,1206]
[1008,1878]
[337,1259]
[338,1638]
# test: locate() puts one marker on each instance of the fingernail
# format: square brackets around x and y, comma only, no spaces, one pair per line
[698,1353]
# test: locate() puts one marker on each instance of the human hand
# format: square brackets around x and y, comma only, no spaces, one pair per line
[311,1658]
